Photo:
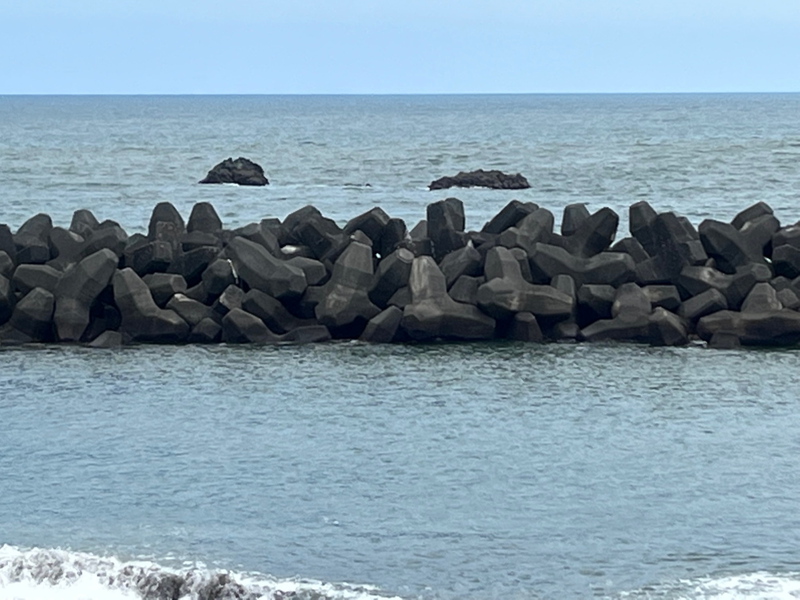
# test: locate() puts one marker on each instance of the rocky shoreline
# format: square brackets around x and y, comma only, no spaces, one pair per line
[307,279]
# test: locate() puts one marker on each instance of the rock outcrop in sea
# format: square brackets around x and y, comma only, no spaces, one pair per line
[241,171]
[496,180]
[308,279]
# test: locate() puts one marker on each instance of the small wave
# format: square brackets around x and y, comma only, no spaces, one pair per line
[750,586]
[50,574]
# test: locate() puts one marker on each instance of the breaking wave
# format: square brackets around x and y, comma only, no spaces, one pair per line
[50,574]
[750,586]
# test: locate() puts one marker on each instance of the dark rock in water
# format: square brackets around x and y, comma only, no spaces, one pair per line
[241,171]
[489,179]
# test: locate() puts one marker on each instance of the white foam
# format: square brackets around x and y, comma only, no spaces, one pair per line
[749,586]
[50,574]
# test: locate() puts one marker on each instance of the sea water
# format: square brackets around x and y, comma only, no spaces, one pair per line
[435,471]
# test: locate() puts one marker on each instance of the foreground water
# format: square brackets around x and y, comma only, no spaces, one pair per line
[441,472]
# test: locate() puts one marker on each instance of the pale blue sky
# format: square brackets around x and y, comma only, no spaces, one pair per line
[390,46]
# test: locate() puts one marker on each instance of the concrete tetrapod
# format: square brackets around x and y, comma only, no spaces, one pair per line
[262,271]
[506,292]
[78,289]
[771,328]
[434,314]
[610,268]
[142,319]
[345,307]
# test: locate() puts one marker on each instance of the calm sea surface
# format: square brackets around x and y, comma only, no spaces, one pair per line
[461,471]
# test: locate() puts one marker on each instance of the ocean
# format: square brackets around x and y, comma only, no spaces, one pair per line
[430,471]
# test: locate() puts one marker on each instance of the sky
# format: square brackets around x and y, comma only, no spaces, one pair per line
[398,46]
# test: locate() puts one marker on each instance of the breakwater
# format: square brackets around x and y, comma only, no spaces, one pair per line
[307,279]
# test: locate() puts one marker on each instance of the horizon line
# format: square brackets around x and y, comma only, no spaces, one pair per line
[389,94]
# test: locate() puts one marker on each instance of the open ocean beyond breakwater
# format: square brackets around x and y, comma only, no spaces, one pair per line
[433,471]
